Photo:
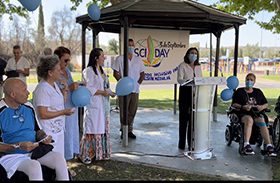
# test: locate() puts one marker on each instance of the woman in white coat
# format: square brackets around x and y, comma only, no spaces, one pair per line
[95,143]
[49,101]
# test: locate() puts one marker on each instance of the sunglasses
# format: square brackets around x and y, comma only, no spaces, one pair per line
[18,115]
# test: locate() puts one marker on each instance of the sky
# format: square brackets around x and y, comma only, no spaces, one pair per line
[249,33]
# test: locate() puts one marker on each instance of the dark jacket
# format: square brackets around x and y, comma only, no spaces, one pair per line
[3,64]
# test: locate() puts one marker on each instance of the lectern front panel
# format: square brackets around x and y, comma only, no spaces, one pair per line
[202,112]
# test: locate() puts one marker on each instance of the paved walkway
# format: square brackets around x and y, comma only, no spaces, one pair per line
[156,145]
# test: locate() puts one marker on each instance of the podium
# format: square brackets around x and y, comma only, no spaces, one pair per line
[203,97]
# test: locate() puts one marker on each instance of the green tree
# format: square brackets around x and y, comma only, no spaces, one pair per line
[251,50]
[240,52]
[8,8]
[114,46]
[223,51]
[40,38]
[251,8]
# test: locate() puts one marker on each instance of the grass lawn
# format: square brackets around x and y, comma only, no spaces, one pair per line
[116,171]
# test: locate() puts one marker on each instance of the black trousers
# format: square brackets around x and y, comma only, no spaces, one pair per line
[185,109]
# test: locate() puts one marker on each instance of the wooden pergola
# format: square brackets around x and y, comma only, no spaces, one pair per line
[162,14]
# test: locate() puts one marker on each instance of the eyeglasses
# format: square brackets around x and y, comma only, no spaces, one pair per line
[18,115]
[67,60]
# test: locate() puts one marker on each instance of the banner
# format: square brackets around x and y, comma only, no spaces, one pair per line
[161,52]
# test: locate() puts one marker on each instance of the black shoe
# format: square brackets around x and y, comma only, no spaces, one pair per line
[131,135]
[270,151]
[248,150]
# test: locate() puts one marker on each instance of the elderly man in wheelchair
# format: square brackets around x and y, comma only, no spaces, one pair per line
[248,107]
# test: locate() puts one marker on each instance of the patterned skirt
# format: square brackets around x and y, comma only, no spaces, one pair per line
[96,146]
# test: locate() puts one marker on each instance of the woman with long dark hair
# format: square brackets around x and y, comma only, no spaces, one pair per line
[95,143]
[187,70]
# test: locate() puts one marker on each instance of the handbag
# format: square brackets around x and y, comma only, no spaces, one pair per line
[41,150]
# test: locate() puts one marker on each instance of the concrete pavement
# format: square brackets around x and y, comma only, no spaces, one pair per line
[156,145]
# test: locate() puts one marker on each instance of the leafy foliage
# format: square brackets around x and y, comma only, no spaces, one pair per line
[8,8]
[251,8]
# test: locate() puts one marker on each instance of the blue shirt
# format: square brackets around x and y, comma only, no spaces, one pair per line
[17,125]
[68,103]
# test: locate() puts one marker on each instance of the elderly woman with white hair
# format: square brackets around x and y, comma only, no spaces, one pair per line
[48,101]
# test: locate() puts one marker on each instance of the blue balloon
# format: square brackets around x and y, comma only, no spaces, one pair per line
[30,5]
[232,82]
[124,86]
[81,96]
[94,12]
[226,94]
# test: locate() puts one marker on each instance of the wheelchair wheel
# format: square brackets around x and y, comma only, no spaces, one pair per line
[241,140]
[276,134]
[259,141]
[228,135]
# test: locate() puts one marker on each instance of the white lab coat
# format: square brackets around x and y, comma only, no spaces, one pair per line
[94,117]
[51,97]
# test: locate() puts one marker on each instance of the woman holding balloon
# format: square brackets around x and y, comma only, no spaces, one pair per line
[95,142]
[187,70]
[71,133]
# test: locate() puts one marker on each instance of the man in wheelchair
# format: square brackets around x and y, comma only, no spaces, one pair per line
[249,101]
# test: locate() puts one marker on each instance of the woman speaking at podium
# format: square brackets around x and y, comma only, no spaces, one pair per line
[187,70]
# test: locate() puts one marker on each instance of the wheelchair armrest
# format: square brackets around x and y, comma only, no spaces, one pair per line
[263,111]
[232,109]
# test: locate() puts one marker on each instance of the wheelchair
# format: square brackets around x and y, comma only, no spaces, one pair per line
[234,130]
[276,127]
